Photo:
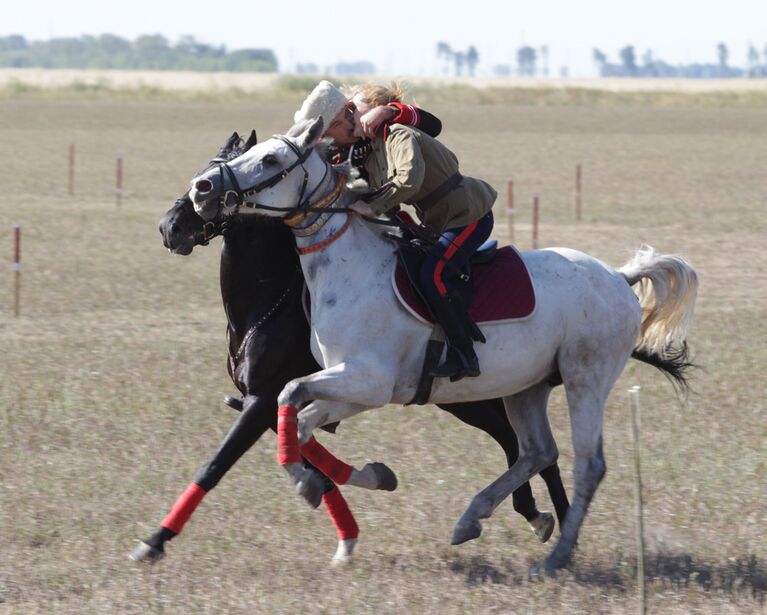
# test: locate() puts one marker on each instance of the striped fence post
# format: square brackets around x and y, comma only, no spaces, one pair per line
[119,180]
[16,269]
[510,208]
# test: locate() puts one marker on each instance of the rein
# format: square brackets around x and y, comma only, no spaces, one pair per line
[303,209]
[237,357]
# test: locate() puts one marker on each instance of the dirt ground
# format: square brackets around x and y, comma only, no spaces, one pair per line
[114,371]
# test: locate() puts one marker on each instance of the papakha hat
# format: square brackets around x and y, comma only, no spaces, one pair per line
[325,101]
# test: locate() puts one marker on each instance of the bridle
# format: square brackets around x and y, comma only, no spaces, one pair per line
[296,212]
[236,197]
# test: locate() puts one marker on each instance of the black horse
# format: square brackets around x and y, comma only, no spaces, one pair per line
[268,334]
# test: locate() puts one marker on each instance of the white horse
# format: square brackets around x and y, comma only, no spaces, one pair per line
[587,323]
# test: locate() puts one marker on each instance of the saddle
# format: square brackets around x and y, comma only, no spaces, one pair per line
[498,289]
[496,286]
[504,290]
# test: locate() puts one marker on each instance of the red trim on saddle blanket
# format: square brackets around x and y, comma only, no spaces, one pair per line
[503,290]
[322,459]
[288,450]
[183,508]
[346,526]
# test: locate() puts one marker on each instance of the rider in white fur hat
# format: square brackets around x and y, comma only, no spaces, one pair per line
[328,102]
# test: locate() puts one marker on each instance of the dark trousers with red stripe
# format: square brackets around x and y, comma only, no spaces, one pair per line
[455,245]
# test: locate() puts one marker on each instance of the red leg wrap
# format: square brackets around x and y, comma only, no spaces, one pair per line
[322,459]
[346,526]
[288,450]
[183,508]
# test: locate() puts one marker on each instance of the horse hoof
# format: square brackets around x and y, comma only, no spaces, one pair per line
[555,563]
[146,553]
[464,532]
[535,575]
[343,555]
[341,561]
[311,488]
[544,526]
[235,403]
[386,479]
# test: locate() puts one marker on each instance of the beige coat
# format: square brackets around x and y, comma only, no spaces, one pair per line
[409,165]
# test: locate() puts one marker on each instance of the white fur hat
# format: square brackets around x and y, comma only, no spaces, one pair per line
[325,101]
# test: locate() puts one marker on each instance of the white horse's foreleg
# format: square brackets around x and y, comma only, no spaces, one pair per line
[333,393]
[372,476]
[537,450]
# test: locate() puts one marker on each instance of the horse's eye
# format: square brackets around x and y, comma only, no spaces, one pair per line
[269,159]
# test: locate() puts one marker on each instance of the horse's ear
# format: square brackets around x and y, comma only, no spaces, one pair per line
[229,144]
[252,140]
[311,134]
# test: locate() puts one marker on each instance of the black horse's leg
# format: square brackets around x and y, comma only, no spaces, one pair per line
[490,417]
[258,415]
[556,491]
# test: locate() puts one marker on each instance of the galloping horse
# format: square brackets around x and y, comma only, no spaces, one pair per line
[590,318]
[268,335]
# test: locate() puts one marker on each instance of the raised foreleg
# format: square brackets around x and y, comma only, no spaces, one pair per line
[326,397]
[526,412]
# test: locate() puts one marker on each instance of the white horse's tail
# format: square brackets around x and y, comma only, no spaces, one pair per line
[667,288]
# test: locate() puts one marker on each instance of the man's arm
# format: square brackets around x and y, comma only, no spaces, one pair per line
[410,115]
[400,113]
[406,162]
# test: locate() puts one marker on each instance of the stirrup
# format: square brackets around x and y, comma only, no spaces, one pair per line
[457,366]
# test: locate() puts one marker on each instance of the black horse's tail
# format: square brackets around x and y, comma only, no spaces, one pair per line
[675,363]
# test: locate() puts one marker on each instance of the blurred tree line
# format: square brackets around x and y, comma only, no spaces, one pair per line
[458,60]
[650,66]
[151,51]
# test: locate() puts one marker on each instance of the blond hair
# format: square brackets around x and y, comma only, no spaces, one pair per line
[375,94]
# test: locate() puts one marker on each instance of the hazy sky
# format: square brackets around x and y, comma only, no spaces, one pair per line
[400,37]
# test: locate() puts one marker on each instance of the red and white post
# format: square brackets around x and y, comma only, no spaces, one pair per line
[71,169]
[510,208]
[16,269]
[119,180]
[578,192]
[536,220]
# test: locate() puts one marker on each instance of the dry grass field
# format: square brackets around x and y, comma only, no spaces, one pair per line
[113,373]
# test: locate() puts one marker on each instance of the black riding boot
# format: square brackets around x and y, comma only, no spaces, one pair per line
[461,360]
[471,327]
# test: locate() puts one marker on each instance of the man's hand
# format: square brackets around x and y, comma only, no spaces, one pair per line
[373,119]
[361,207]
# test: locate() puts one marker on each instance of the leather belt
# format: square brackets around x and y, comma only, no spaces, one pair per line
[450,184]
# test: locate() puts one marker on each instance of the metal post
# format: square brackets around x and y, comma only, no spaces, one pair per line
[634,399]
